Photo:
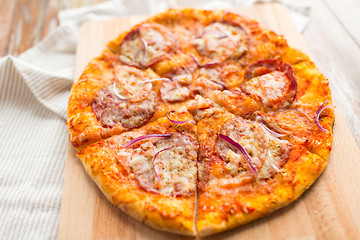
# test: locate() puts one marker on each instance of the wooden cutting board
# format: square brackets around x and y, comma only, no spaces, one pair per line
[330,209]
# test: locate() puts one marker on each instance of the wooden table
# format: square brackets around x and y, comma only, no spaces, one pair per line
[333,36]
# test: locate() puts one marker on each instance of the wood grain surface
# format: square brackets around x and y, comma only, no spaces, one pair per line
[328,210]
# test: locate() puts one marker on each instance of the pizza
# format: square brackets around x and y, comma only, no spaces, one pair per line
[198,121]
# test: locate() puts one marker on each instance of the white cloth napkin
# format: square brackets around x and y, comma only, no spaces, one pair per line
[34,91]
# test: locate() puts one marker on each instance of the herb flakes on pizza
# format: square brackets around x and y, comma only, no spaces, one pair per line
[196,121]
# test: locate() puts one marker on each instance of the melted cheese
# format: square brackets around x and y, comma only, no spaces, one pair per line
[272,88]
[206,79]
[221,41]
[267,152]
[111,110]
[233,165]
[176,166]
[184,78]
[172,92]
[275,155]
[209,74]
[149,44]
[131,80]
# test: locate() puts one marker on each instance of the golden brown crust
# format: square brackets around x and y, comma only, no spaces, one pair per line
[221,68]
[225,205]
[165,212]
[82,123]
[162,212]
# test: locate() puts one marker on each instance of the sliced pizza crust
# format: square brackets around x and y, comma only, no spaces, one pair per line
[231,192]
[153,179]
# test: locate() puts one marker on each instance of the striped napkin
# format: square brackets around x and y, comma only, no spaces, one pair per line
[34,91]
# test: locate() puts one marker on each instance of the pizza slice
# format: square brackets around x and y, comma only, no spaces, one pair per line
[246,172]
[110,98]
[310,127]
[292,101]
[150,173]
[299,103]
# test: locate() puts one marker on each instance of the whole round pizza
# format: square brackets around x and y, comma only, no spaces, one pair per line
[196,121]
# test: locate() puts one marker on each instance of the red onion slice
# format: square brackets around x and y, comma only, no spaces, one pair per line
[173,121]
[220,34]
[222,85]
[264,120]
[211,64]
[145,45]
[287,69]
[319,111]
[156,79]
[271,163]
[305,114]
[153,161]
[145,137]
[195,61]
[116,92]
[271,131]
[242,150]
[294,109]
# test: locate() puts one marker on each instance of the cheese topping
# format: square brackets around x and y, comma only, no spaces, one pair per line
[207,79]
[146,45]
[176,167]
[221,41]
[172,92]
[200,107]
[184,78]
[132,81]
[267,152]
[110,109]
[272,88]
